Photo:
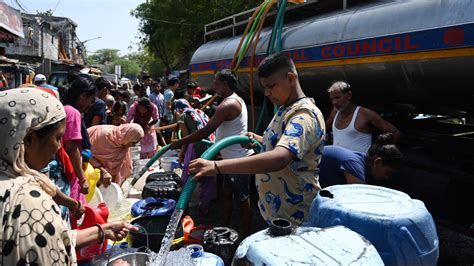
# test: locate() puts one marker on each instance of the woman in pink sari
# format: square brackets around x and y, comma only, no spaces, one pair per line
[111,150]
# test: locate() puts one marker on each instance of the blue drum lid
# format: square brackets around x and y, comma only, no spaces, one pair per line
[371,200]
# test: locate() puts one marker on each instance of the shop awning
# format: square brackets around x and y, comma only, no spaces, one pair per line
[10,22]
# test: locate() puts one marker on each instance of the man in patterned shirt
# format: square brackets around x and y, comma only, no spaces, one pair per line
[293,142]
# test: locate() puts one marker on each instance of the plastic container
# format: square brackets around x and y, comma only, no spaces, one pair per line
[399,227]
[175,164]
[188,224]
[103,211]
[92,216]
[153,207]
[144,178]
[112,195]
[139,164]
[171,153]
[163,176]
[202,258]
[92,176]
[96,198]
[122,210]
[135,153]
[221,241]
[307,246]
[196,235]
[166,163]
[161,189]
[151,232]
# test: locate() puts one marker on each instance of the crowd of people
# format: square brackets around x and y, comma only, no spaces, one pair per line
[47,131]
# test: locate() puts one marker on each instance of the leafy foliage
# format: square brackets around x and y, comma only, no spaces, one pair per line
[174,29]
[131,64]
[104,56]
[130,68]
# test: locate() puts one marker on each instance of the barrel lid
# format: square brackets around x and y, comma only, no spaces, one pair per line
[370,199]
[309,246]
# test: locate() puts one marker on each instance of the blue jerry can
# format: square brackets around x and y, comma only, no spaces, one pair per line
[201,258]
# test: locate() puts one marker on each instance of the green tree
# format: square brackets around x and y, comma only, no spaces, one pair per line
[103,56]
[174,29]
[148,62]
[130,68]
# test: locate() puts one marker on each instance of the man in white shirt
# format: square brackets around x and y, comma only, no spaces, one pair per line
[230,119]
[352,125]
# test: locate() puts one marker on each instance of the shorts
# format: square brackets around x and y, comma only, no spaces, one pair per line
[238,184]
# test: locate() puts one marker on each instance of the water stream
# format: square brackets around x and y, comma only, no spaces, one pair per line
[169,236]
[126,187]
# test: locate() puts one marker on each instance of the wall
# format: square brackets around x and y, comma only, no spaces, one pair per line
[31,44]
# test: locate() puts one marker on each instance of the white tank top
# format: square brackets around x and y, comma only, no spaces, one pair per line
[235,127]
[349,137]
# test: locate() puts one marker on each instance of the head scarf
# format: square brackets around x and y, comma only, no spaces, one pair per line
[108,150]
[199,117]
[23,110]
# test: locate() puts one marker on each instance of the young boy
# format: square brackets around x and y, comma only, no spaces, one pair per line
[287,169]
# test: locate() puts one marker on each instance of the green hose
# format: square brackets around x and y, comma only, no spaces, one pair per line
[243,52]
[245,46]
[276,35]
[277,30]
[155,157]
[209,154]
[149,163]
[206,142]
[280,26]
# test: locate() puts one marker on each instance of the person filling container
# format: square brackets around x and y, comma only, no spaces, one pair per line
[293,143]
[32,123]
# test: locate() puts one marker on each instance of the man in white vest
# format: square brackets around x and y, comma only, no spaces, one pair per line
[230,119]
[352,125]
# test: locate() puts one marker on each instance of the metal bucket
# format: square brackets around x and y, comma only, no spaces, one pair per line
[132,259]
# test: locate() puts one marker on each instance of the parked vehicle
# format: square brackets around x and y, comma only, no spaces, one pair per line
[59,78]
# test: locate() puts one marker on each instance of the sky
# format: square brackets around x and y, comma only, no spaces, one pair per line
[108,19]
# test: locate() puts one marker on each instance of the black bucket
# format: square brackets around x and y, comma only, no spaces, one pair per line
[151,232]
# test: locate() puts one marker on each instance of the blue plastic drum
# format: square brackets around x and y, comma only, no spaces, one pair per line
[153,207]
[401,229]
